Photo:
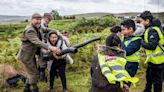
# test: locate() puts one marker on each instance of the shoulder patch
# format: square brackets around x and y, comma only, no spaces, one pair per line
[110,58]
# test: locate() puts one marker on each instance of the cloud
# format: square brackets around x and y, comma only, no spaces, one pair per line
[83,0]
[69,7]
[157,2]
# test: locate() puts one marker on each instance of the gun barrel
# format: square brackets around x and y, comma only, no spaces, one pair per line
[87,42]
[68,50]
[75,48]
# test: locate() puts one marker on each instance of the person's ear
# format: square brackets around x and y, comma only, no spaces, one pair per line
[147,21]
[119,45]
[131,30]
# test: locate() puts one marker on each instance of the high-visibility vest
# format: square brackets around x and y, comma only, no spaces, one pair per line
[122,37]
[135,57]
[113,68]
[155,56]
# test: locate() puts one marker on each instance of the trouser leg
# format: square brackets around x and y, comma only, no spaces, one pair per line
[62,75]
[52,75]
[157,79]
[148,86]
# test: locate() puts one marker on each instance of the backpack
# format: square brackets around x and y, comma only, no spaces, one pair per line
[162,29]
[12,81]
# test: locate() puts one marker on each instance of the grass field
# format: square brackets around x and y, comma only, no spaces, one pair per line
[78,74]
[79,82]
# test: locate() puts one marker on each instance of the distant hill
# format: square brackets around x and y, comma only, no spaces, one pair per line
[90,15]
[99,14]
[133,14]
[12,19]
[17,19]
[126,14]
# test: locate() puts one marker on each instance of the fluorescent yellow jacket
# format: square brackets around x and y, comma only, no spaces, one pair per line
[135,57]
[113,68]
[155,56]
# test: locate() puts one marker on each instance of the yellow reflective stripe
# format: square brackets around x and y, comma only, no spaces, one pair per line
[110,77]
[155,55]
[107,72]
[134,57]
[105,69]
[116,68]
[111,67]
[126,43]
[122,37]
[135,38]
[137,54]
[146,35]
[103,66]
[120,75]
[158,31]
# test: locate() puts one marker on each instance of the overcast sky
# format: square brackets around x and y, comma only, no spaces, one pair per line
[69,7]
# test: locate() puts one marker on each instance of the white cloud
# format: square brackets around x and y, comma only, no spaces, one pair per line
[157,2]
[68,7]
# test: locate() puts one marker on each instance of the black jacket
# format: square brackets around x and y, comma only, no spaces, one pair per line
[153,37]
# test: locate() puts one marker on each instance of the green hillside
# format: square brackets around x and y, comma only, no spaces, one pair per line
[91,15]
[78,74]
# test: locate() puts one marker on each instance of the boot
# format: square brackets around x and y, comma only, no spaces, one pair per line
[35,90]
[42,76]
[27,88]
[65,90]
[50,90]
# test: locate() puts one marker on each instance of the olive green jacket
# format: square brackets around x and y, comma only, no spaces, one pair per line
[31,43]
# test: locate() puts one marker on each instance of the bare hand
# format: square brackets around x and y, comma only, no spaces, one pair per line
[56,56]
[99,47]
[54,49]
[126,88]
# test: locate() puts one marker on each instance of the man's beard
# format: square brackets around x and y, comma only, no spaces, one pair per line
[37,25]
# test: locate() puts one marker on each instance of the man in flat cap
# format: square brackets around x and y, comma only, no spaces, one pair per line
[47,17]
[31,45]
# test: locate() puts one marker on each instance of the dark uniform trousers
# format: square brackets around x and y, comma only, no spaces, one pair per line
[153,76]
